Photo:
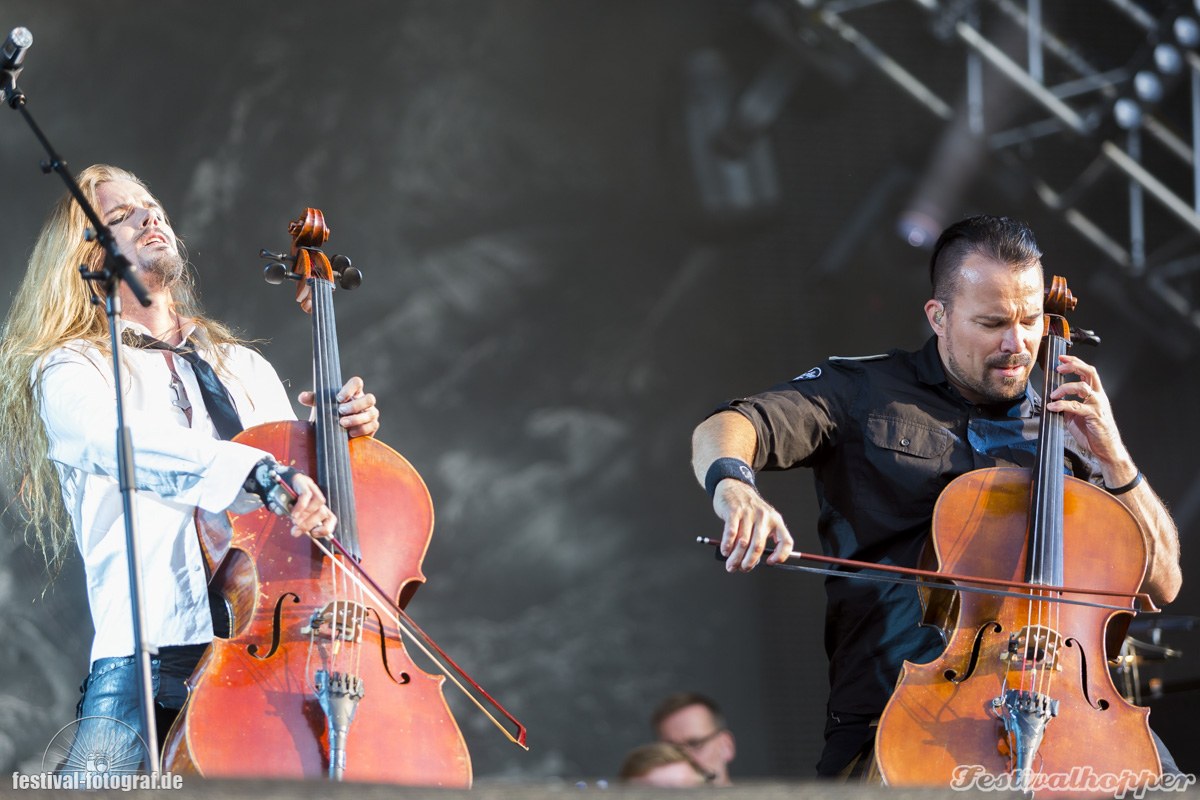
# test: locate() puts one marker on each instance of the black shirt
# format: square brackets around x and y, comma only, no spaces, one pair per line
[883,435]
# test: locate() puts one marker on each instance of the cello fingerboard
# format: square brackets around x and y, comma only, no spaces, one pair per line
[1045,561]
[333,443]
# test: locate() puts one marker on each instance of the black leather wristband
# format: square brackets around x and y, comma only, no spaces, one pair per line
[1133,484]
[724,468]
[273,485]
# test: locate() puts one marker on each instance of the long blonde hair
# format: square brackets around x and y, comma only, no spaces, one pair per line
[53,306]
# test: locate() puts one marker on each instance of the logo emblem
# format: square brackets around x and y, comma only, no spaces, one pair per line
[811,375]
[94,747]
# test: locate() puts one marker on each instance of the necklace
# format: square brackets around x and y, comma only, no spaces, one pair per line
[180,399]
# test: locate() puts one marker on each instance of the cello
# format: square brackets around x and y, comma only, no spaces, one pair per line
[1021,698]
[314,677]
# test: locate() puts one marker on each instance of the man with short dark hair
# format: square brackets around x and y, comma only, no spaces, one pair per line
[694,723]
[885,434]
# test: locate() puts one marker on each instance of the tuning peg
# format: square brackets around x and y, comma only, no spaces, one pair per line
[277,256]
[276,273]
[348,277]
[1084,336]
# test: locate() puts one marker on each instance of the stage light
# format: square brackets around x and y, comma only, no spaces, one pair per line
[1167,59]
[1127,113]
[1187,31]
[918,229]
[1160,69]
[1148,86]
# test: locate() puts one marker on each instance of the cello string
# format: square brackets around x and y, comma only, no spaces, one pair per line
[309,677]
[386,608]
[1054,500]
[321,388]
[345,487]
[338,436]
[1037,527]
[1048,446]
[1055,466]
[329,387]
[1032,573]
[1062,554]
[341,451]
[345,483]
[1050,519]
[1042,491]
[349,617]
[326,414]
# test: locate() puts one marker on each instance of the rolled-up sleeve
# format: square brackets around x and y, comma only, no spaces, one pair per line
[796,422]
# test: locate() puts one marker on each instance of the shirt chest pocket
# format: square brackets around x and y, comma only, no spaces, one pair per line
[906,465]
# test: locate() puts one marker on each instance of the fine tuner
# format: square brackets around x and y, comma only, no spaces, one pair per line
[278,271]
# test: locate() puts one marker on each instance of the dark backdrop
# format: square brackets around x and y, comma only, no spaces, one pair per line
[546,314]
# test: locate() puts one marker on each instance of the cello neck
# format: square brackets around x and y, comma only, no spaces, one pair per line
[333,443]
[1045,556]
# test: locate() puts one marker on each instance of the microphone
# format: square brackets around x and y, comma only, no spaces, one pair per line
[13,51]
[12,56]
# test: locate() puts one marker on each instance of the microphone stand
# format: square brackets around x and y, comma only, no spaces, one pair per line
[116,268]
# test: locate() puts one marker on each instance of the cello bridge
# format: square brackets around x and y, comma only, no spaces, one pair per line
[1033,647]
[341,621]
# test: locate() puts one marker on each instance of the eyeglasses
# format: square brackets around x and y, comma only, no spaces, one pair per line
[696,744]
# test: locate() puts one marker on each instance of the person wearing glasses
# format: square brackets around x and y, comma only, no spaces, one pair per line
[694,723]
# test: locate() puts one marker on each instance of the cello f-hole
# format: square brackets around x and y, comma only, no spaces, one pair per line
[953,675]
[276,627]
[1100,704]
[404,677]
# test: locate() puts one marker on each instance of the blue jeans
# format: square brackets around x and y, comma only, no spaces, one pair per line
[109,734]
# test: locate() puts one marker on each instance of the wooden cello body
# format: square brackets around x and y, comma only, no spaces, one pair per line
[314,679]
[948,716]
[1022,698]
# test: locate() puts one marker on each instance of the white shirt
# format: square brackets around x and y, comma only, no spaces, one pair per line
[179,468]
